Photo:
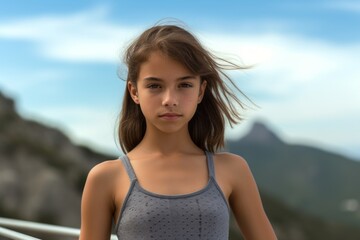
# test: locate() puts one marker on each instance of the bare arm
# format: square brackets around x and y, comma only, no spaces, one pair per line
[246,204]
[97,205]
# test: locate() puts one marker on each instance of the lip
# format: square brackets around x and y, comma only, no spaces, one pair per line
[170,116]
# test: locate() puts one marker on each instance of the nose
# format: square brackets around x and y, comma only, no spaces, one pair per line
[170,99]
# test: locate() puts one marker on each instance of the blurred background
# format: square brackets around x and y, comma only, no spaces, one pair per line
[61,92]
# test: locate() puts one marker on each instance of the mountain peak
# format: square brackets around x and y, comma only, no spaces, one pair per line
[7,105]
[260,133]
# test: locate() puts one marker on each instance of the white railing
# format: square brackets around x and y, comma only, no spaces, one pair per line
[6,223]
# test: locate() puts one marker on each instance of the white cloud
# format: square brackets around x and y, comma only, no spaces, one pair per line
[21,81]
[284,62]
[350,6]
[302,73]
[85,36]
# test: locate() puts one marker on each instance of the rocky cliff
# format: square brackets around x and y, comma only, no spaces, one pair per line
[41,171]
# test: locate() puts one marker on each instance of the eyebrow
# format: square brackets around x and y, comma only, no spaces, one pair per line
[189,77]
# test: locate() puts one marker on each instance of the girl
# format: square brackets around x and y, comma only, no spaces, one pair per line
[171,184]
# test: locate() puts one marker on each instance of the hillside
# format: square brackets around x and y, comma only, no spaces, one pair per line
[308,179]
[42,174]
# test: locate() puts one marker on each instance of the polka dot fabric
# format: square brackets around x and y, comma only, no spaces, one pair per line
[200,215]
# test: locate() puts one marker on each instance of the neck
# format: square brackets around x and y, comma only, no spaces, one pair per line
[167,143]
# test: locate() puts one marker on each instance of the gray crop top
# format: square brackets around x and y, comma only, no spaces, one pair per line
[203,214]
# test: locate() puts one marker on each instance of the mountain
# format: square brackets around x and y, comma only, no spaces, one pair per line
[308,179]
[290,224]
[42,174]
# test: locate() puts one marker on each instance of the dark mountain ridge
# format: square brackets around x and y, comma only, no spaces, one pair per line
[306,178]
[41,171]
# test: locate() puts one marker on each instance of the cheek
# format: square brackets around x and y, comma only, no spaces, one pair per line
[148,102]
[190,103]
[191,98]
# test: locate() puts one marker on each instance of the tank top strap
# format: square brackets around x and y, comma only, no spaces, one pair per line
[130,171]
[210,164]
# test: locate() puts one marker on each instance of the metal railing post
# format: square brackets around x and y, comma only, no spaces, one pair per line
[15,235]
[37,227]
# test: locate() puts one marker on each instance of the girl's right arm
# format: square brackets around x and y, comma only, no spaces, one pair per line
[97,204]
[246,203]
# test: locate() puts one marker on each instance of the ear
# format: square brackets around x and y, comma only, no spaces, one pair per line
[133,92]
[202,90]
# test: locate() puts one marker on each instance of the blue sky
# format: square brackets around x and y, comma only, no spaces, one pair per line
[60,61]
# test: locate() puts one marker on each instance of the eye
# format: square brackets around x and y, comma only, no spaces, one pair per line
[185,85]
[153,86]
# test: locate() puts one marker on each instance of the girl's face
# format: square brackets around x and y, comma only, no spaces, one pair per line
[167,92]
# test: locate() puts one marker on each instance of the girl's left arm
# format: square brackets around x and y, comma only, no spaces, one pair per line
[246,204]
[96,204]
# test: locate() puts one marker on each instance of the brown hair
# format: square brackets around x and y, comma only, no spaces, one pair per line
[207,126]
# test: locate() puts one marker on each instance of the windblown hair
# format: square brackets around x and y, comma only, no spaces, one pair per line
[207,126]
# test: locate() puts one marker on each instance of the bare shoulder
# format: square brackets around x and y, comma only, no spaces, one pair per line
[97,204]
[105,168]
[105,172]
[244,197]
[230,161]
[231,167]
